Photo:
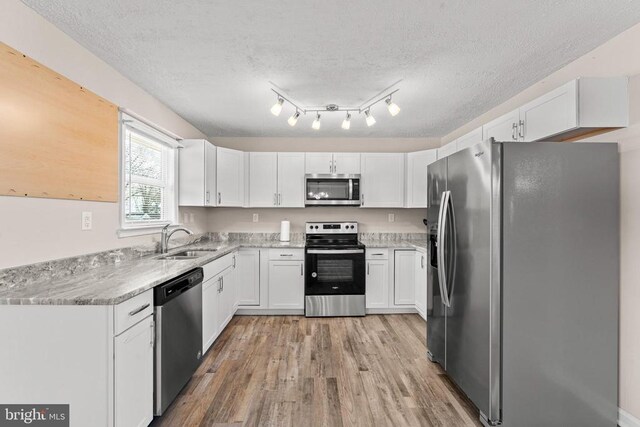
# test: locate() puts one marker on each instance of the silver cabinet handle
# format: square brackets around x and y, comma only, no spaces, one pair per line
[208,197]
[234,261]
[222,283]
[514,128]
[139,309]
[301,269]
[153,334]
[279,199]
[219,197]
[330,166]
[362,199]
[521,130]
[275,199]
[421,261]
[286,254]
[368,268]
[377,254]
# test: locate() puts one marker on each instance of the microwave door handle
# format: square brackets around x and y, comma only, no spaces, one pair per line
[350,189]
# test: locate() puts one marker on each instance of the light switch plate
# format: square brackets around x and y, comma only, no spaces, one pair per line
[392,217]
[87,221]
[256,217]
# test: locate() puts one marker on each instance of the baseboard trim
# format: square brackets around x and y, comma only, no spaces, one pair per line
[394,310]
[269,312]
[625,419]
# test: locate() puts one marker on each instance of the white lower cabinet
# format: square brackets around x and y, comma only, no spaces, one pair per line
[248,277]
[133,375]
[377,280]
[404,277]
[227,299]
[219,297]
[286,283]
[210,297]
[421,283]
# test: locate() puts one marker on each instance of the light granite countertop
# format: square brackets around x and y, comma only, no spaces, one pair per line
[113,284]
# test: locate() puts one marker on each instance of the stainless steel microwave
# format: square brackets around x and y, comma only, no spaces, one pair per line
[332,190]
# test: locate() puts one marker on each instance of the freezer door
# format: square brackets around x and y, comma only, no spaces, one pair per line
[469,315]
[436,320]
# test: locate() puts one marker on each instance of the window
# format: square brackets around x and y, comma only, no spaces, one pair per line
[148,176]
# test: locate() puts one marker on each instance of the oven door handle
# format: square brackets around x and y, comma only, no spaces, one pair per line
[335,251]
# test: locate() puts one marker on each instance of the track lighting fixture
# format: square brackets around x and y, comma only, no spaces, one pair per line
[277,107]
[346,123]
[294,119]
[369,118]
[333,108]
[392,107]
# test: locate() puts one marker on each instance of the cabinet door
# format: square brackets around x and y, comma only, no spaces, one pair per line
[210,316]
[133,374]
[404,278]
[226,299]
[504,128]
[470,139]
[230,177]
[286,284]
[377,284]
[552,113]
[448,149]
[382,181]
[248,276]
[421,283]
[319,163]
[417,177]
[210,156]
[291,180]
[346,163]
[263,179]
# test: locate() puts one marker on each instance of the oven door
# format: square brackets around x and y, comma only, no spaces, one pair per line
[332,190]
[334,272]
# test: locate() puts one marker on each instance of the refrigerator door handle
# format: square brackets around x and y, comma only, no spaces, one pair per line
[442,247]
[452,250]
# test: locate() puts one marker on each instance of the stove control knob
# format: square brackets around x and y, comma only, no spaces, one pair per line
[314,274]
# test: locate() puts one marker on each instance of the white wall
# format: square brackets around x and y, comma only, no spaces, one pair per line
[619,56]
[370,220]
[33,230]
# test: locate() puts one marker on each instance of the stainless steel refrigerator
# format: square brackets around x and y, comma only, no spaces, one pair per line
[524,280]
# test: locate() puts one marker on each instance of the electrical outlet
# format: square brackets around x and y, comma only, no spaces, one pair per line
[392,217]
[87,221]
[256,217]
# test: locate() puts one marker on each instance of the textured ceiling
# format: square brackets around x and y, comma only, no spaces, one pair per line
[212,61]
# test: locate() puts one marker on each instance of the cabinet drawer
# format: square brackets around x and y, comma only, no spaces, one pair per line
[377,253]
[286,254]
[217,266]
[131,311]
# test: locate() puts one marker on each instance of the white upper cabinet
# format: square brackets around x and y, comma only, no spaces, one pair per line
[230,177]
[333,163]
[263,180]
[578,108]
[197,173]
[417,163]
[291,180]
[383,180]
[470,139]
[276,180]
[319,163]
[346,163]
[447,150]
[504,128]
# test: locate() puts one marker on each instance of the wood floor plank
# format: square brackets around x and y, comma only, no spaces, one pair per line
[297,371]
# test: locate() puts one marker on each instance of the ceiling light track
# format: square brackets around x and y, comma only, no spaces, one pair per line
[334,108]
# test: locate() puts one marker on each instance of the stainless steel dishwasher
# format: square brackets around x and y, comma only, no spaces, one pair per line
[178,317]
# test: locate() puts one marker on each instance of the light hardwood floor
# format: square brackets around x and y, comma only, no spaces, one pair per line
[297,371]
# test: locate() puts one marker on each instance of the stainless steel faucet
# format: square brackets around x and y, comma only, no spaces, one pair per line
[166,235]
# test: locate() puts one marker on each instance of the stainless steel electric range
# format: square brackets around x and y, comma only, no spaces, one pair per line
[334,282]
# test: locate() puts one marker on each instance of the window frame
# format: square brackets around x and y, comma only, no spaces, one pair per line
[136,228]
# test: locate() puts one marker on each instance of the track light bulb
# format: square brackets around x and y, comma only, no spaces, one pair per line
[346,123]
[392,107]
[316,123]
[370,120]
[294,119]
[277,107]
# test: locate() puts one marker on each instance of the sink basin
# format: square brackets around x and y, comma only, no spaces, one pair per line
[187,254]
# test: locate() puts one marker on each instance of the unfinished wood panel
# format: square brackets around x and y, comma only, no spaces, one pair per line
[340,371]
[57,139]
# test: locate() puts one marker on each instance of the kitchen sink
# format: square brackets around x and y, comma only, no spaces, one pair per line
[187,254]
